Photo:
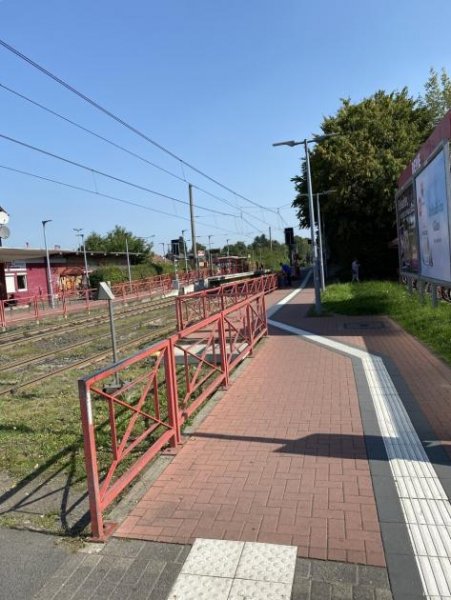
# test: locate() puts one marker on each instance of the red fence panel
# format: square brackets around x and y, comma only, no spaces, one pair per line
[134,408]
[190,308]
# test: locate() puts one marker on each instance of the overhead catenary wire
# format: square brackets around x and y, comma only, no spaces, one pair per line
[123,122]
[97,193]
[109,176]
[123,148]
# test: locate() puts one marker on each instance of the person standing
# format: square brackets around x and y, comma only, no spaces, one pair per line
[355,267]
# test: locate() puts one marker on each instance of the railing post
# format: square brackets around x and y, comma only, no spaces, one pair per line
[178,313]
[2,315]
[223,349]
[36,308]
[204,306]
[264,315]
[250,332]
[173,403]
[89,443]
[63,301]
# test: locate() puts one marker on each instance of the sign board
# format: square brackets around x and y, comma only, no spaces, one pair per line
[407,230]
[433,218]
[105,292]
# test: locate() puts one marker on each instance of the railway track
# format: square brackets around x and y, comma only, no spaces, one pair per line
[92,358]
[16,338]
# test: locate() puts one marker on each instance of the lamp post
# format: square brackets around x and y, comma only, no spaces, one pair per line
[78,231]
[164,251]
[320,236]
[129,271]
[228,249]
[49,273]
[209,254]
[305,143]
[184,249]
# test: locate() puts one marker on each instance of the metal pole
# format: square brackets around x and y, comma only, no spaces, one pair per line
[49,273]
[86,261]
[320,237]
[164,253]
[129,271]
[209,254]
[312,231]
[184,250]
[228,249]
[193,227]
[113,339]
[270,239]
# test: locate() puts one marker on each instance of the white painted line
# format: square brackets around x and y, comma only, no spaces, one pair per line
[424,503]
[273,309]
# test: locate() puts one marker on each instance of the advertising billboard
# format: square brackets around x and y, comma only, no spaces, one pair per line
[407,231]
[433,218]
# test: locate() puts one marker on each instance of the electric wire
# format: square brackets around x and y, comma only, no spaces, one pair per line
[122,122]
[122,148]
[97,193]
[109,176]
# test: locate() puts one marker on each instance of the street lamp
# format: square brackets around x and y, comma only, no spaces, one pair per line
[83,245]
[164,252]
[228,249]
[305,143]
[209,254]
[49,274]
[320,234]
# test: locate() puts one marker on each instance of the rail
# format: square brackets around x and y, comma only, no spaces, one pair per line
[135,408]
[37,307]
[200,305]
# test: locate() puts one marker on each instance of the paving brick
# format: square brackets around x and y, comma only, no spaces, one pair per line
[272,465]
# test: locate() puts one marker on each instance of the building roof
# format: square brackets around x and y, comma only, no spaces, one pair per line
[11,254]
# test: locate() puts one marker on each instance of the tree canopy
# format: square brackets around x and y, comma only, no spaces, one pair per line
[117,241]
[437,97]
[377,137]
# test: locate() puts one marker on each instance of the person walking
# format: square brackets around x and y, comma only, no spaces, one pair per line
[355,268]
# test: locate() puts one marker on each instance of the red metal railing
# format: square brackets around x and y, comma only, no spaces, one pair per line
[200,305]
[38,307]
[133,409]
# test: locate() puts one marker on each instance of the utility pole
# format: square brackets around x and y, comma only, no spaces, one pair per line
[209,254]
[193,227]
[184,250]
[270,239]
[49,273]
[129,271]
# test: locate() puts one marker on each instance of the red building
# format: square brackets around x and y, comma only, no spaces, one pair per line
[23,271]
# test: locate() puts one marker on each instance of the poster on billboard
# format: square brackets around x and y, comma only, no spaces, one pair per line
[407,231]
[433,224]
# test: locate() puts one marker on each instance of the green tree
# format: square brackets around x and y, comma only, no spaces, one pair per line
[437,97]
[377,138]
[117,241]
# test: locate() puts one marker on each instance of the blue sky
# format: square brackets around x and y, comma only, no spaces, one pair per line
[215,82]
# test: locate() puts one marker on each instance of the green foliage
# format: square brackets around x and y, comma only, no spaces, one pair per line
[377,138]
[430,325]
[114,274]
[117,241]
[437,97]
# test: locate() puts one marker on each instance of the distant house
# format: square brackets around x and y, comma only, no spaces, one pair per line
[23,271]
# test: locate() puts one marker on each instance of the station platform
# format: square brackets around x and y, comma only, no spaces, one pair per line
[323,472]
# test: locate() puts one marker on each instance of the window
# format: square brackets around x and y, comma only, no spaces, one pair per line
[21,283]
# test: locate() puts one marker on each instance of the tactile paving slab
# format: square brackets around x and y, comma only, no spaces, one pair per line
[229,570]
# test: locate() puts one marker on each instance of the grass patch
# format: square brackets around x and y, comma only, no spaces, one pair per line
[430,325]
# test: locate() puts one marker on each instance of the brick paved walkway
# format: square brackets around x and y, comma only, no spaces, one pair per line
[280,459]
